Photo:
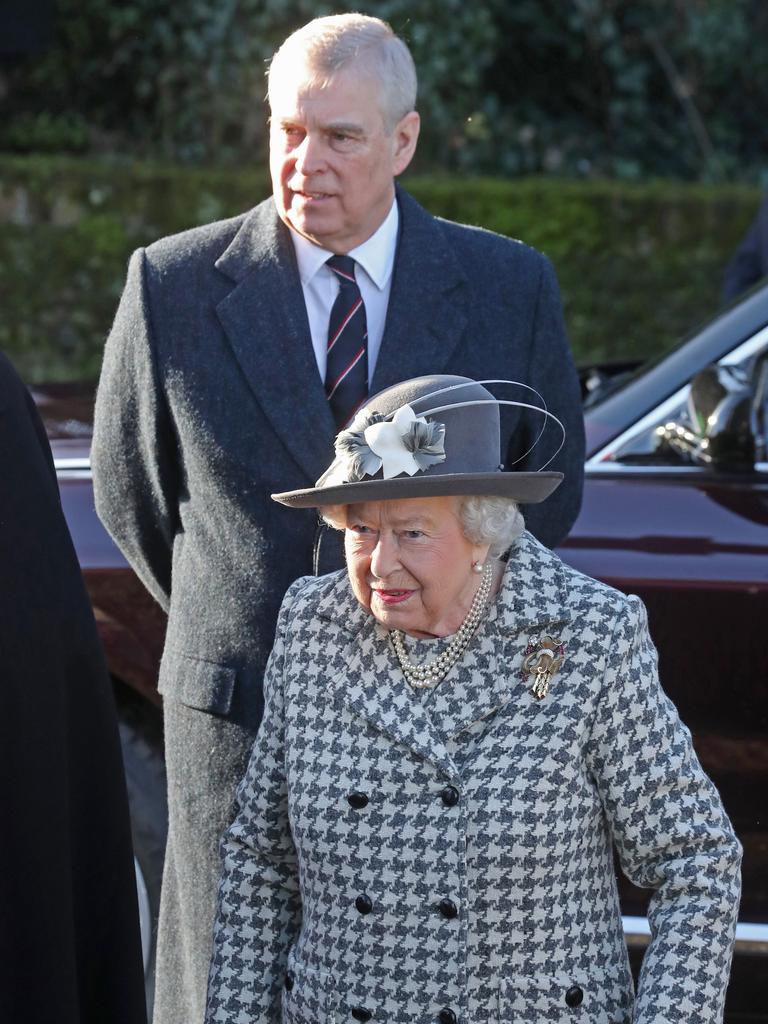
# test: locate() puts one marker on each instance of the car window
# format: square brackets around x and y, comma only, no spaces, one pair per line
[675,433]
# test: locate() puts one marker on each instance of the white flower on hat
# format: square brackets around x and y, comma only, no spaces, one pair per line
[406,444]
[386,441]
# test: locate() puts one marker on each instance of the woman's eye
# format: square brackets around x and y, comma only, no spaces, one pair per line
[359,528]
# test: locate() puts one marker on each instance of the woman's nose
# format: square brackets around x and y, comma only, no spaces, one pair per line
[384,557]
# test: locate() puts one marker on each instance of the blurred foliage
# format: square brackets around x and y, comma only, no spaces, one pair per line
[639,265]
[619,88]
[186,81]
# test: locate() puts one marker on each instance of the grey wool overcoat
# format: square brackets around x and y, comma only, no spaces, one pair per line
[447,856]
[210,399]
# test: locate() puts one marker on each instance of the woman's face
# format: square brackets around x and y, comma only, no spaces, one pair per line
[410,564]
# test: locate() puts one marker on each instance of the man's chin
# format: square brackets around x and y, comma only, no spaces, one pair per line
[309,227]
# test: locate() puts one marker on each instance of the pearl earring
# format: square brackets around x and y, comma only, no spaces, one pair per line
[478,567]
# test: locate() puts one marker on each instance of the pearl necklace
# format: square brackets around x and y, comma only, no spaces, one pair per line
[421,677]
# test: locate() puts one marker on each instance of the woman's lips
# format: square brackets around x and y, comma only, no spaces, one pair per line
[392,596]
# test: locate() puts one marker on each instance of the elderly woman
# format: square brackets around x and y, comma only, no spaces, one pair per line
[453,742]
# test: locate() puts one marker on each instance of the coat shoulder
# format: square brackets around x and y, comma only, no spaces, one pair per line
[475,247]
[327,597]
[196,243]
[488,243]
[12,391]
[585,590]
[581,598]
[206,242]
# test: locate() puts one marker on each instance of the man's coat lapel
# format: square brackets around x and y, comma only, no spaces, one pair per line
[266,323]
[427,314]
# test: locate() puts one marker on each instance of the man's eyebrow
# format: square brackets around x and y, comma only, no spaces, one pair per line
[348,127]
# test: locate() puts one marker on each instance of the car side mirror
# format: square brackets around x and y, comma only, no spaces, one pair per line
[719,432]
[760,408]
[720,404]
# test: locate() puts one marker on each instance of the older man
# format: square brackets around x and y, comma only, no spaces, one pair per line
[237,352]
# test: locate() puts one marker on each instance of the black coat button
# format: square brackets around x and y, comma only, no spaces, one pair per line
[288,982]
[574,996]
[364,904]
[450,796]
[360,1013]
[447,1016]
[357,800]
[447,907]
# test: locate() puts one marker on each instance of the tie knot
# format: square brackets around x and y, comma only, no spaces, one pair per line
[343,267]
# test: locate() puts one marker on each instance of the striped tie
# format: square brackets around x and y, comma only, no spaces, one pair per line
[346,374]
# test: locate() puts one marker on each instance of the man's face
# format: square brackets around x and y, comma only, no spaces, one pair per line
[332,162]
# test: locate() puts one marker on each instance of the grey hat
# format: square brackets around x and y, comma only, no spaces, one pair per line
[424,438]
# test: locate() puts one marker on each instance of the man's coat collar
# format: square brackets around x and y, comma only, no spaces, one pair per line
[266,323]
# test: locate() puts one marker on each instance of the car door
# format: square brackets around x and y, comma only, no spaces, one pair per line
[691,539]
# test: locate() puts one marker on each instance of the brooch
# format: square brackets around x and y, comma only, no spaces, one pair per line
[543,657]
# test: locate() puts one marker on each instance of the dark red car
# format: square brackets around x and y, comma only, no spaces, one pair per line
[675,510]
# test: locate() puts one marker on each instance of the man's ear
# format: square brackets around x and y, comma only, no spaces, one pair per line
[406,135]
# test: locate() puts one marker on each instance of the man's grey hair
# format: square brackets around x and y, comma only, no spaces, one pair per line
[484,519]
[326,46]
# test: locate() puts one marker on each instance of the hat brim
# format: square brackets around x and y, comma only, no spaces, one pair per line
[526,488]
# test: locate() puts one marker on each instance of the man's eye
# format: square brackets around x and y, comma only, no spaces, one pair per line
[359,528]
[413,534]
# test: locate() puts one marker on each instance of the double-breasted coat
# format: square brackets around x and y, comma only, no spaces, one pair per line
[209,400]
[446,855]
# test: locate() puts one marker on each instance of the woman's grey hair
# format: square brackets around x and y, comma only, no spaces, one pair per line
[484,519]
[328,45]
[491,520]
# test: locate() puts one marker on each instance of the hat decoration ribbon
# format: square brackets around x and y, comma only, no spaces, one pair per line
[406,443]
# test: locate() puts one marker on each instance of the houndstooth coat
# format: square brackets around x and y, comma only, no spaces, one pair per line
[446,856]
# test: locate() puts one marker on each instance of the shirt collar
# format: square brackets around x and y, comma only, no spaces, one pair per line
[376,255]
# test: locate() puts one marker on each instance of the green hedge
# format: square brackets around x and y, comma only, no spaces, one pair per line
[639,265]
[580,88]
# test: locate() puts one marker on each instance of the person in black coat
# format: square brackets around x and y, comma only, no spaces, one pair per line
[750,261]
[70,949]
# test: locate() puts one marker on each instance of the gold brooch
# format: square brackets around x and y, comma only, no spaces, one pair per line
[543,657]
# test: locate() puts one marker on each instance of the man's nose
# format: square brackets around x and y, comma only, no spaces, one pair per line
[384,559]
[308,155]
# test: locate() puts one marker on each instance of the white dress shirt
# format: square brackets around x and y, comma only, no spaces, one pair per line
[375,260]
